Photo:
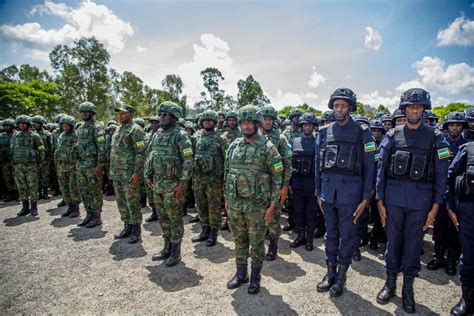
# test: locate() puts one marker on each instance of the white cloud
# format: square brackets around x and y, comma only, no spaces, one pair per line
[281,99]
[141,49]
[373,40]
[348,77]
[459,32]
[89,19]
[374,99]
[440,101]
[38,55]
[316,79]
[311,95]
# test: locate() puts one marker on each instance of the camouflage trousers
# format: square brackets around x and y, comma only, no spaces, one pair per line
[90,189]
[128,202]
[171,213]
[68,183]
[8,176]
[26,178]
[43,174]
[248,229]
[150,197]
[208,197]
[274,228]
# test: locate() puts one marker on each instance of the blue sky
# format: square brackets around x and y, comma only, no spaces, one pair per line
[300,51]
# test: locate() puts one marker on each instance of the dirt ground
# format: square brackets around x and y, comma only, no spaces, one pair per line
[48,265]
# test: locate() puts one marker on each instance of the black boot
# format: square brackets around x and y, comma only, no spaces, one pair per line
[127,229]
[25,209]
[451,264]
[34,208]
[165,253]
[153,216]
[225,226]
[289,227]
[194,220]
[203,235]
[44,195]
[338,287]
[328,279]
[388,290]
[254,286]
[465,306]
[438,261]
[69,210]
[75,211]
[300,240]
[320,232]
[86,220]
[309,240]
[95,221]
[175,255]
[272,249]
[136,234]
[240,277]
[356,256]
[61,204]
[408,296]
[143,200]
[212,239]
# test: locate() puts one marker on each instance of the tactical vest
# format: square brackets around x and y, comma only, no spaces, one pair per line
[46,139]
[166,159]
[412,160]
[5,139]
[65,148]
[208,158]
[302,162]
[465,182]
[23,148]
[122,154]
[86,147]
[341,150]
[246,177]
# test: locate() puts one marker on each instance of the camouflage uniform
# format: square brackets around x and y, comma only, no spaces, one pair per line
[108,183]
[232,134]
[149,192]
[5,159]
[43,166]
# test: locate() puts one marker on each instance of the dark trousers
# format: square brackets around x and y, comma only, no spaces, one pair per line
[362,227]
[306,210]
[340,232]
[465,211]
[445,235]
[404,239]
[378,232]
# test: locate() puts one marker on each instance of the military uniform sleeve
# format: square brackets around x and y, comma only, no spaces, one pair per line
[186,152]
[370,149]
[139,146]
[275,169]
[100,143]
[441,165]
[317,169]
[39,146]
[286,153]
[384,151]
[453,171]
[148,173]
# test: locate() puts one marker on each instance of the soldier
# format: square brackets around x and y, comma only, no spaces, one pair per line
[55,132]
[108,183]
[5,160]
[65,160]
[253,173]
[411,181]
[168,170]
[232,131]
[127,159]
[269,115]
[468,133]
[302,183]
[208,178]
[27,151]
[345,168]
[294,130]
[154,125]
[445,235]
[460,201]
[43,167]
[221,119]
[90,148]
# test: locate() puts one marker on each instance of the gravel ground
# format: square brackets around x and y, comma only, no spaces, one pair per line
[49,265]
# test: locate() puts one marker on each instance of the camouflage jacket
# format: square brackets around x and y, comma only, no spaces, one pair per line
[90,145]
[65,150]
[26,147]
[5,150]
[232,134]
[209,156]
[284,149]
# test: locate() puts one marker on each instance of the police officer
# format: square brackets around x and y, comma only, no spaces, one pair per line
[411,181]
[27,151]
[43,167]
[302,183]
[460,201]
[344,171]
[398,117]
[386,120]
[11,193]
[468,133]
[444,233]
[328,117]
[168,170]
[253,173]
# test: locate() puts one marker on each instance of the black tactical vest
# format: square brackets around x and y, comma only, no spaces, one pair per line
[465,181]
[412,159]
[302,161]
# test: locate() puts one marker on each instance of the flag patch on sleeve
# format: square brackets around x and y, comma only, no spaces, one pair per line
[140,144]
[187,152]
[278,167]
[100,139]
[443,153]
[369,147]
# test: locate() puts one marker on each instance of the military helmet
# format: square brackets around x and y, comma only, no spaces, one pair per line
[308,118]
[111,126]
[57,117]
[269,110]
[209,115]
[221,113]
[286,122]
[23,119]
[361,119]
[139,121]
[171,108]
[295,112]
[66,119]
[189,125]
[230,114]
[386,117]
[398,113]
[415,96]
[8,122]
[428,114]
[345,94]
[377,124]
[180,122]
[469,114]
[328,116]
[454,117]
[54,126]
[249,112]
[111,122]
[87,107]
[38,119]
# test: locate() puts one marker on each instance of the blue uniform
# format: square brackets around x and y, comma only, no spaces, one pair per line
[344,175]
[406,200]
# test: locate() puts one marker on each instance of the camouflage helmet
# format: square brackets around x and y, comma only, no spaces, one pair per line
[415,96]
[67,119]
[139,121]
[454,117]
[221,113]
[189,125]
[8,122]
[209,115]
[87,107]
[57,117]
[345,94]
[23,119]
[249,112]
[180,122]
[111,126]
[328,116]
[268,110]
[294,112]
[233,114]
[38,119]
[171,108]
[114,122]
[308,118]
[286,122]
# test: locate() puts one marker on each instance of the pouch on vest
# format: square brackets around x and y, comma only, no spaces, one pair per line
[401,161]
[345,157]
[418,166]
[204,165]
[245,186]
[469,182]
[330,156]
[296,165]
[306,166]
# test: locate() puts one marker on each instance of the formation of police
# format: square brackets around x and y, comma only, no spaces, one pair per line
[332,175]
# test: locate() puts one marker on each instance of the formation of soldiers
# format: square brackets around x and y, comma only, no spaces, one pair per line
[332,175]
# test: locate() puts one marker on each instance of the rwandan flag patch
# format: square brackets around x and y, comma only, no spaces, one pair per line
[443,153]
[140,144]
[187,152]
[369,147]
[278,167]
[377,157]
[100,139]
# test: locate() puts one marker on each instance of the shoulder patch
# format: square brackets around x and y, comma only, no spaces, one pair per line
[391,132]
[369,147]
[140,144]
[437,132]
[443,153]
[364,127]
[278,167]
[187,152]
[101,139]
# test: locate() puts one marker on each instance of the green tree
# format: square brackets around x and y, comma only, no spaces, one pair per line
[250,92]
[302,107]
[442,111]
[211,77]
[173,86]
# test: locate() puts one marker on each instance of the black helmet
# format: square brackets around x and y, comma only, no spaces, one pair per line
[361,119]
[415,96]
[295,112]
[377,124]
[346,94]
[328,116]
[469,114]
[308,118]
[454,117]
[385,117]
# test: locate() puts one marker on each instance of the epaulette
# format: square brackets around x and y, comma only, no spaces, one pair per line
[364,126]
[391,132]
[437,132]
